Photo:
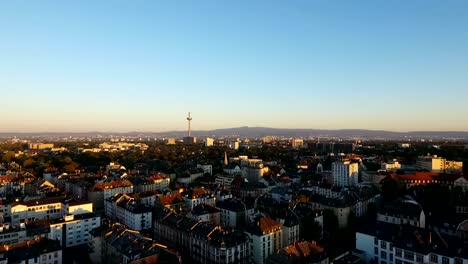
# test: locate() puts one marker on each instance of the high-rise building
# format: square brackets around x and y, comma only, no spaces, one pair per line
[345,173]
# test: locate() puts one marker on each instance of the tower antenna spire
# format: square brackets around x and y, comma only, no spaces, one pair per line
[189,119]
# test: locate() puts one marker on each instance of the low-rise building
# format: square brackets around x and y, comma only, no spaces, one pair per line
[40,250]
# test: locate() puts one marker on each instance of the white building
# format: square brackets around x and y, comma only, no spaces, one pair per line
[399,244]
[345,173]
[403,211]
[266,236]
[47,209]
[234,212]
[124,209]
[74,230]
[199,196]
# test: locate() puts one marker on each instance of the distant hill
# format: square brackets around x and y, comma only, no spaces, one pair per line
[256,132]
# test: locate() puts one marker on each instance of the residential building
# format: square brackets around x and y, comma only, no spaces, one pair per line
[125,246]
[196,196]
[213,244]
[403,211]
[345,173]
[155,182]
[266,237]
[234,212]
[37,251]
[224,180]
[126,210]
[48,208]
[291,227]
[391,166]
[74,230]
[205,213]
[400,244]
[438,164]
[104,190]
[297,143]
[40,146]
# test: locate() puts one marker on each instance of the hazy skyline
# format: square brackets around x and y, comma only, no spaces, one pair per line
[142,65]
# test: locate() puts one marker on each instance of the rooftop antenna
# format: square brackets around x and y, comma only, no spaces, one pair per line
[189,119]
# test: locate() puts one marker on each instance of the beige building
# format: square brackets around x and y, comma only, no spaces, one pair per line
[40,146]
[438,164]
[297,143]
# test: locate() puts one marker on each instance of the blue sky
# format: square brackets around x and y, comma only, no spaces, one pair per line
[141,65]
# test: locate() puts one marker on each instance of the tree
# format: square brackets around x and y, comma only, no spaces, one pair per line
[310,230]
[391,188]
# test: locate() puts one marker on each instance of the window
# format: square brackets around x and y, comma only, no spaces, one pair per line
[376,241]
[434,258]
[391,246]
[419,259]
[409,255]
[383,244]
[398,252]
[398,261]
[383,255]
[458,261]
[445,260]
[376,250]
[391,257]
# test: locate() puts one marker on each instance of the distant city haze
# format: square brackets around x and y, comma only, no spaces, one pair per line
[118,66]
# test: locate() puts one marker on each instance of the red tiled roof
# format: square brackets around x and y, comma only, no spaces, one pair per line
[170,199]
[268,225]
[112,184]
[148,260]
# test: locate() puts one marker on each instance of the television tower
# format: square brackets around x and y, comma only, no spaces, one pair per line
[189,119]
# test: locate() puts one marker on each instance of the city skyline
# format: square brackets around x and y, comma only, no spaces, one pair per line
[125,66]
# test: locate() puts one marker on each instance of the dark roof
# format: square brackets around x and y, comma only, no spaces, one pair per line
[301,252]
[418,240]
[203,209]
[233,204]
[263,225]
[406,208]
[19,252]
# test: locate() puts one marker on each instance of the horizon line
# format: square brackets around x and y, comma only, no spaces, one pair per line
[208,130]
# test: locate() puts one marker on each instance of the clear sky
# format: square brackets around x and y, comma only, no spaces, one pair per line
[127,65]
